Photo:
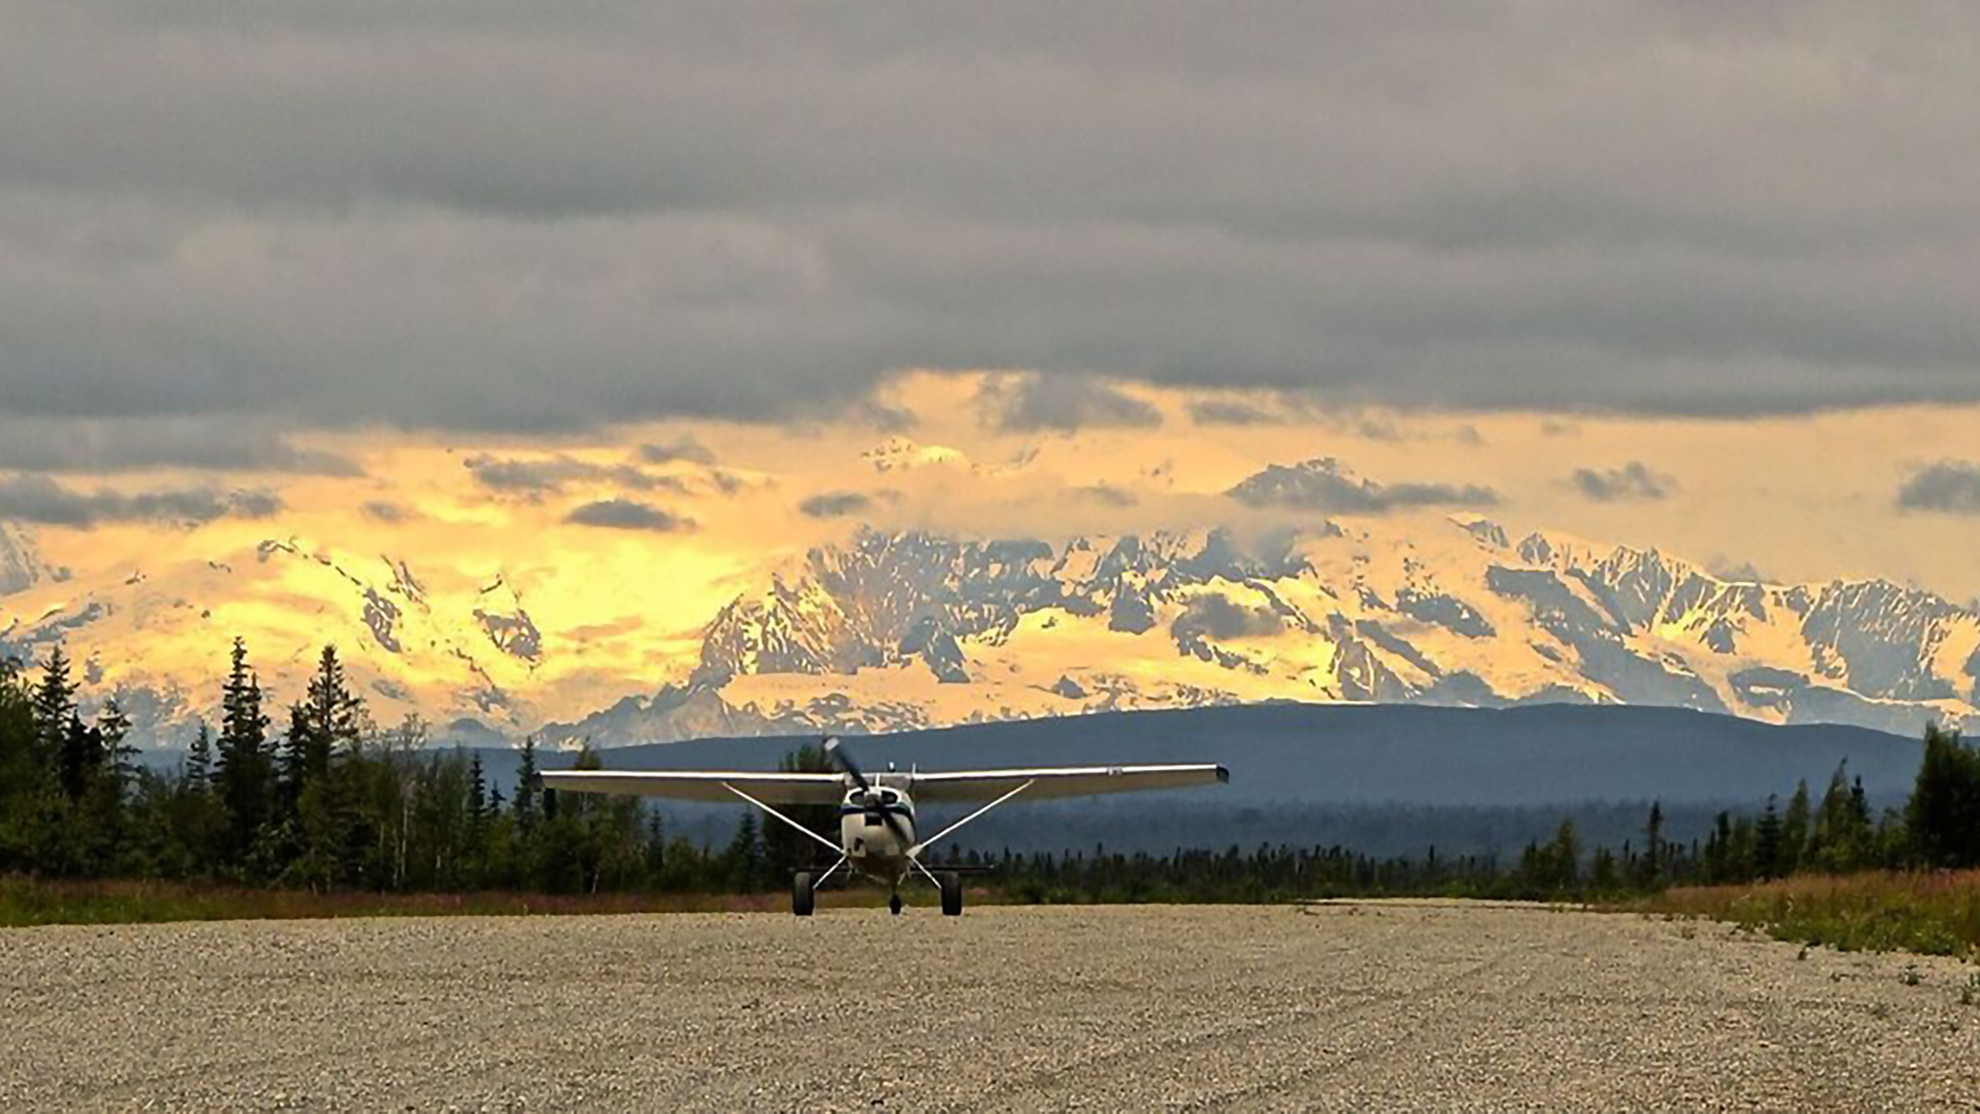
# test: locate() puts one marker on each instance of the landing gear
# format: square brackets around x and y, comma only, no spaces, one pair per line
[802,893]
[952,893]
[894,905]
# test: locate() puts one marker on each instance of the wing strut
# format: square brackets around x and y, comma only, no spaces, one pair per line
[914,853]
[833,847]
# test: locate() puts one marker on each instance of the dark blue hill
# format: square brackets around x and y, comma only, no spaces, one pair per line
[1382,778]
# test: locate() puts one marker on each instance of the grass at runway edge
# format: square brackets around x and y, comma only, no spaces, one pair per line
[26,902]
[1927,912]
[1932,913]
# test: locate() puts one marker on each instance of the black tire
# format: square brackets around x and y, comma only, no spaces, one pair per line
[802,893]
[952,893]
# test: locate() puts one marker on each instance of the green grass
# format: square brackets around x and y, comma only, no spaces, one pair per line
[1935,913]
[26,902]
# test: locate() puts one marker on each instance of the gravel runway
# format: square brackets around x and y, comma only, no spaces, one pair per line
[1418,1006]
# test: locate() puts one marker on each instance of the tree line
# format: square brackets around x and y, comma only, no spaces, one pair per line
[331,801]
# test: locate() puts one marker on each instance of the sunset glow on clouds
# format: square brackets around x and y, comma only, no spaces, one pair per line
[621,311]
[601,520]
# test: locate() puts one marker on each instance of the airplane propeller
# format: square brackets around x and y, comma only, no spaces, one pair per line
[840,756]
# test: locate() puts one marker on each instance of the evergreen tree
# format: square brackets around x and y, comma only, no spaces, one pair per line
[26,782]
[786,850]
[1602,874]
[1943,816]
[527,787]
[54,705]
[1795,829]
[477,798]
[119,756]
[1767,841]
[79,758]
[1716,861]
[1564,855]
[656,843]
[1651,866]
[243,771]
[325,723]
[199,762]
[1842,836]
[744,858]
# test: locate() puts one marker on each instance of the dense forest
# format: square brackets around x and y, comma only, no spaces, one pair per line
[331,801]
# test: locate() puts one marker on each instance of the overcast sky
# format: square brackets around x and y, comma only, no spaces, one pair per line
[497,216]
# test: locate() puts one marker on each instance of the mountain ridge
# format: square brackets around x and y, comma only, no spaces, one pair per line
[902,630]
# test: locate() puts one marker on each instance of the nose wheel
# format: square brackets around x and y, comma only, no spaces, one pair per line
[894,905]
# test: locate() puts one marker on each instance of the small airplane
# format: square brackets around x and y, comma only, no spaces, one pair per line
[876,815]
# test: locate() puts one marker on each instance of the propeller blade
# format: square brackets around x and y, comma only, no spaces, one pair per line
[844,761]
[840,755]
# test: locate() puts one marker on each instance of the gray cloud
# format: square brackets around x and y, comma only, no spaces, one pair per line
[483,216]
[625,514]
[1028,403]
[1109,495]
[535,477]
[1327,486]
[1950,486]
[685,449]
[885,417]
[1220,617]
[386,511]
[835,504]
[1224,412]
[139,444]
[40,500]
[1632,483]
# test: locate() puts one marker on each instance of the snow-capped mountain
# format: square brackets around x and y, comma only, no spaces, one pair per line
[907,630]
[157,639]
[900,630]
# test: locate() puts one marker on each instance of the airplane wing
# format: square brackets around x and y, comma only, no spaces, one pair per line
[1061,781]
[703,785]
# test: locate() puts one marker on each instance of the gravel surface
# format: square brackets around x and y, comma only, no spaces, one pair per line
[1352,1006]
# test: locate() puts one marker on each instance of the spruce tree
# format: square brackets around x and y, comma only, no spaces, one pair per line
[199,762]
[479,814]
[1795,830]
[744,857]
[324,724]
[119,756]
[477,794]
[1653,852]
[54,705]
[527,787]
[1943,816]
[243,772]
[79,758]
[1767,841]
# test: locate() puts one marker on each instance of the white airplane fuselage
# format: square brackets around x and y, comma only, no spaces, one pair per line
[872,845]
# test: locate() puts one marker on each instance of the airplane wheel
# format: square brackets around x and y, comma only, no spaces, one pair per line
[894,905]
[801,893]
[952,894]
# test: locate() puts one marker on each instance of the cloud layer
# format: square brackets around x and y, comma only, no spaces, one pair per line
[1633,482]
[835,504]
[42,501]
[1327,486]
[1952,486]
[628,514]
[486,216]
